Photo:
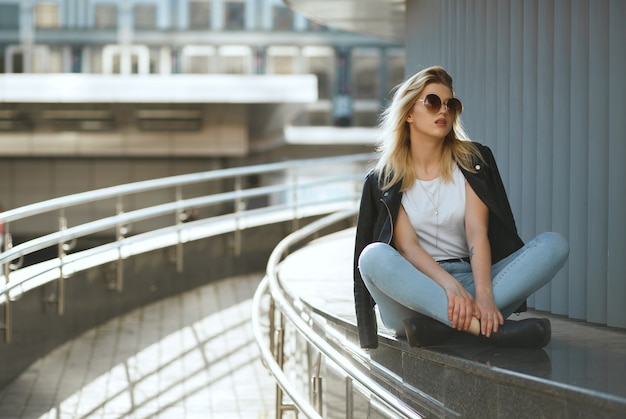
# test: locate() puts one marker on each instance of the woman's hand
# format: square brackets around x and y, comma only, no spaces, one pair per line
[489,315]
[460,305]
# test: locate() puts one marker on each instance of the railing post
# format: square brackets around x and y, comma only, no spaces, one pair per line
[272,323]
[317,387]
[280,360]
[295,223]
[349,398]
[120,232]
[179,244]
[239,205]
[7,243]
[61,280]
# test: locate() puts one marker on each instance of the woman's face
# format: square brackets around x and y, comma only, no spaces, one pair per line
[424,122]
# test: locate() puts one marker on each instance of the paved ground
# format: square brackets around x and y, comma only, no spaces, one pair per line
[188,356]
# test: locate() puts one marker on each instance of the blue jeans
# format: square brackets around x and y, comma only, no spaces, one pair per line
[401,290]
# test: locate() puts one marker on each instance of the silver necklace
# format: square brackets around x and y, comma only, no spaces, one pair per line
[432,198]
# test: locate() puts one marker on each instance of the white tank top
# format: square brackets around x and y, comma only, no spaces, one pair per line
[436,210]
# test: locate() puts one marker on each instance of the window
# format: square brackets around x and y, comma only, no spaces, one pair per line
[282,18]
[145,16]
[199,14]
[46,15]
[198,59]
[281,60]
[235,59]
[9,17]
[395,68]
[234,14]
[106,16]
[365,78]
[320,61]
[199,64]
[17,62]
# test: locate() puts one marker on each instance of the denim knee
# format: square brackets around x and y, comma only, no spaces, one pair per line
[556,244]
[371,256]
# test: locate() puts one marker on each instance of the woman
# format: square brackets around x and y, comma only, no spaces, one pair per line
[437,248]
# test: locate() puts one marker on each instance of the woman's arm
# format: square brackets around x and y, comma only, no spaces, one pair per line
[460,302]
[476,228]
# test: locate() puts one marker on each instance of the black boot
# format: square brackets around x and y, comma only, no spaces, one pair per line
[527,333]
[426,331]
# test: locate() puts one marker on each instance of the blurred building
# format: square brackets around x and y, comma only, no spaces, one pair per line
[354,72]
[95,93]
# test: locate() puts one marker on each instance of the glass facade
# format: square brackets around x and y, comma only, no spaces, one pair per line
[106,16]
[46,15]
[199,14]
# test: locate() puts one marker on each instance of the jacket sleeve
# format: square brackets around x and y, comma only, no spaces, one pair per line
[364,303]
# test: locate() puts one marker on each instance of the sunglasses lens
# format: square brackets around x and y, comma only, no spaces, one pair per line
[454,106]
[432,103]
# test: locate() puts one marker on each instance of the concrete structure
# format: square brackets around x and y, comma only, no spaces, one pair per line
[96,115]
[542,83]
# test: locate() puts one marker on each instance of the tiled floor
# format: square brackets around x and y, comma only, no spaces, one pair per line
[188,356]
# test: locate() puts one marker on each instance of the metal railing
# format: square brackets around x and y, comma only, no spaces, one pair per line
[300,188]
[289,308]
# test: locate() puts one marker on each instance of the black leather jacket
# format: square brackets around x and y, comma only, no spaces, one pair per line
[377,215]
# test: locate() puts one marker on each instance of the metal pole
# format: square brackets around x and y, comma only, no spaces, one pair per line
[8,243]
[279,360]
[119,286]
[349,398]
[7,319]
[179,244]
[317,387]
[61,254]
[238,206]
[295,222]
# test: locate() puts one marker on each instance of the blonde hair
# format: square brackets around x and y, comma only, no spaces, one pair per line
[395,163]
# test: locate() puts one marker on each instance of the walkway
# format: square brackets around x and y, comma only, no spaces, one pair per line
[188,356]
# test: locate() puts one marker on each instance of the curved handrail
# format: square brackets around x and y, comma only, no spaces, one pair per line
[167,182]
[140,215]
[279,295]
[290,200]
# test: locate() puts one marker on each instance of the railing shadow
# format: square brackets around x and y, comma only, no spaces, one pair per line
[190,358]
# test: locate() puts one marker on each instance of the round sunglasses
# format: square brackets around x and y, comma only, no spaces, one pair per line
[433,104]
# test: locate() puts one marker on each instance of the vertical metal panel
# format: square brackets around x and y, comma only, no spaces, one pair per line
[543,84]
[529,121]
[616,267]
[479,65]
[561,141]
[501,142]
[528,156]
[514,108]
[544,113]
[578,154]
[598,179]
[490,94]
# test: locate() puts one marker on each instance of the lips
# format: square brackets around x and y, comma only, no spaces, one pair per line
[441,122]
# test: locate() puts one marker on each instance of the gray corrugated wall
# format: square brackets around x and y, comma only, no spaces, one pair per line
[544,84]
